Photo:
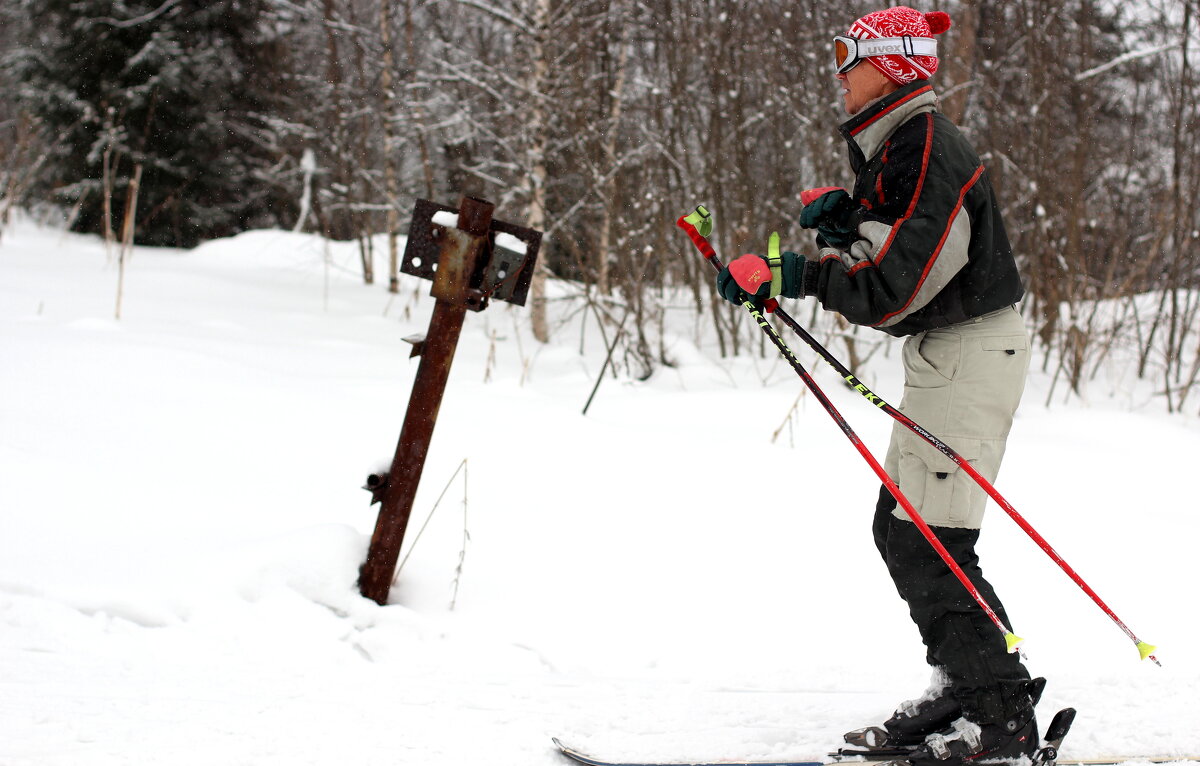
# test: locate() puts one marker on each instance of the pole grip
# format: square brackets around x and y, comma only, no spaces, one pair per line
[700,242]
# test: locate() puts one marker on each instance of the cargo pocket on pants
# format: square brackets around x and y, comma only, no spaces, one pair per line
[943,493]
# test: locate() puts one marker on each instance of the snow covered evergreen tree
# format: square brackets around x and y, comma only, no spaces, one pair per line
[182,88]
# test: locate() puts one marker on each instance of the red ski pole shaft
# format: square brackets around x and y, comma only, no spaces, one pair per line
[706,249]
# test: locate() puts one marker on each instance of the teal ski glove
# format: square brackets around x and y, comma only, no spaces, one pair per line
[829,210]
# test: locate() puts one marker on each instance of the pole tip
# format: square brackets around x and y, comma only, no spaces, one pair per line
[1013,642]
[1147,651]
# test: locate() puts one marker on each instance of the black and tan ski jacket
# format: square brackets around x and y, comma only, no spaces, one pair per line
[932,249]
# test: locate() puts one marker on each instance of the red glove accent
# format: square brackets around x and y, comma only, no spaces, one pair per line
[750,271]
[808,195]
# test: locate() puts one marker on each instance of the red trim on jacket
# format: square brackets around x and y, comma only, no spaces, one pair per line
[879,176]
[866,124]
[962,194]
[912,203]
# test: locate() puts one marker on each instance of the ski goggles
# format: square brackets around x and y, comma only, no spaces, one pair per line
[848,51]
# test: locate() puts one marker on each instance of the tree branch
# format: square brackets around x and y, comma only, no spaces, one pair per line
[1125,58]
[126,23]
[499,13]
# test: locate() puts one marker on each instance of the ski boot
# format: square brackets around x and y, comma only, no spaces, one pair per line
[1013,742]
[913,720]
[964,740]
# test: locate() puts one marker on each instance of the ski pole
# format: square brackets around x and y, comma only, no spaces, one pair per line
[1144,649]
[689,224]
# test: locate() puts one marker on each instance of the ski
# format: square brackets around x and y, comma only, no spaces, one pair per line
[1046,755]
[581,757]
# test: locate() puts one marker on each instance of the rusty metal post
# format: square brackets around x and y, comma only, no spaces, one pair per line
[460,250]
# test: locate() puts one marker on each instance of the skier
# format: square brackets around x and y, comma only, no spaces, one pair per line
[918,249]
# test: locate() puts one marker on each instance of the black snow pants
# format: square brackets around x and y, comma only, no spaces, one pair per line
[990,683]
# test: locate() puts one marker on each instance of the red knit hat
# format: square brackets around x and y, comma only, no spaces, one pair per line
[902,21]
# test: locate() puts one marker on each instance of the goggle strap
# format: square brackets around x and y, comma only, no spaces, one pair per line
[909,46]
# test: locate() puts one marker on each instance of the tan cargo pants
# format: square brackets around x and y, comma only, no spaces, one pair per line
[961,383]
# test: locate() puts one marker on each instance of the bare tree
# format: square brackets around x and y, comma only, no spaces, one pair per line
[602,121]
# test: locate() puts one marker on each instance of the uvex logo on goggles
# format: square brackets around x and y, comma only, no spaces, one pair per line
[848,51]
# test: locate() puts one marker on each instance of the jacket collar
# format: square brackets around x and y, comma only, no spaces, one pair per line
[867,130]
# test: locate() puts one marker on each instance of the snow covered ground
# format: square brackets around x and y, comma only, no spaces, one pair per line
[181,524]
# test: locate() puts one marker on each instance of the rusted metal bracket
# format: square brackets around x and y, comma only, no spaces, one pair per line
[377,484]
[471,259]
[505,270]
[417,342]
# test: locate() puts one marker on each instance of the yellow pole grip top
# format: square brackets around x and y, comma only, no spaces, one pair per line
[775,262]
[701,219]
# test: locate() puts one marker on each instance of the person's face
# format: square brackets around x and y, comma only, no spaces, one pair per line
[862,85]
